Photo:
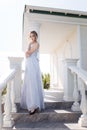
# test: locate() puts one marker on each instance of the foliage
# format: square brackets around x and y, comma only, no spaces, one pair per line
[46,80]
[4,91]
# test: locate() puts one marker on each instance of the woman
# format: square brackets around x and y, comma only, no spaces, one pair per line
[32,90]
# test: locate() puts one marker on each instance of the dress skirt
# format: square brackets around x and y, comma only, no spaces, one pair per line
[32,95]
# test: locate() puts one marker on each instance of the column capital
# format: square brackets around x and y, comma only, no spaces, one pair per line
[28,26]
[15,59]
[68,79]
[70,61]
[34,26]
[16,62]
[34,23]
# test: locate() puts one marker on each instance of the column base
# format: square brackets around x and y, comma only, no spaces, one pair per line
[8,123]
[75,107]
[83,120]
[14,109]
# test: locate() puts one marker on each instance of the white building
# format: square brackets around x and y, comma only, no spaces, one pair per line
[62,34]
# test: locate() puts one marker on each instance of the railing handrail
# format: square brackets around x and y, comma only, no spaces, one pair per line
[80,72]
[12,80]
[5,78]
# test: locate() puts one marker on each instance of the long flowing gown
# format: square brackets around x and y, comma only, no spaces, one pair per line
[32,95]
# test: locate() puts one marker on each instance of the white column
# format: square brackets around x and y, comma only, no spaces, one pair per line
[76,96]
[83,106]
[16,62]
[28,26]
[82,42]
[7,119]
[68,79]
[53,70]
[14,109]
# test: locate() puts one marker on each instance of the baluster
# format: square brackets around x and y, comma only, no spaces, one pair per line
[75,106]
[7,120]
[83,119]
[1,120]
[14,109]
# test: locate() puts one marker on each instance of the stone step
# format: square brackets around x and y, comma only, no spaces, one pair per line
[53,95]
[47,115]
[58,105]
[54,105]
[50,126]
[45,125]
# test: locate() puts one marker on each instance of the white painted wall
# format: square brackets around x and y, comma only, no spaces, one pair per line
[53,34]
[69,49]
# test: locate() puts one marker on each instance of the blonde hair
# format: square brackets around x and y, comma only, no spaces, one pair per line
[34,32]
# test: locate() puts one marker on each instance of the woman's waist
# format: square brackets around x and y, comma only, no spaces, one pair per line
[33,57]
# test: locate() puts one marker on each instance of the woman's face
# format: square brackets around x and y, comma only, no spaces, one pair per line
[33,37]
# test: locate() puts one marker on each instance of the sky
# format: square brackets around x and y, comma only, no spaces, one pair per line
[80,5]
[11,14]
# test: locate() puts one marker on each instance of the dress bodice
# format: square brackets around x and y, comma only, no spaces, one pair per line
[35,54]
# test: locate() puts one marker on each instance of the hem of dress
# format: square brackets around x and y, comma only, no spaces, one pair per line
[34,107]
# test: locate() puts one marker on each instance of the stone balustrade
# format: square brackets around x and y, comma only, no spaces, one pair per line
[79,93]
[12,81]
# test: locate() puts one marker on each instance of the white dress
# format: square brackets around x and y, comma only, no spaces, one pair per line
[32,89]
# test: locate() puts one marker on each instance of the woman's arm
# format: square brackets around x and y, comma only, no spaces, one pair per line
[32,49]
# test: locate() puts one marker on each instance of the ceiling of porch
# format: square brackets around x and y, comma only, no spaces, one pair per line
[52,35]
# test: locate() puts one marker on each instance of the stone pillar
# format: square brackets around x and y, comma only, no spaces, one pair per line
[28,26]
[16,62]
[68,79]
[53,71]
[82,42]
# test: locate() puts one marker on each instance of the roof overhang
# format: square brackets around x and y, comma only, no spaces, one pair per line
[63,18]
[55,11]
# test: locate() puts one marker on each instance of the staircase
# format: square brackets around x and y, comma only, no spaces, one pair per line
[54,116]
[54,111]
[57,115]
